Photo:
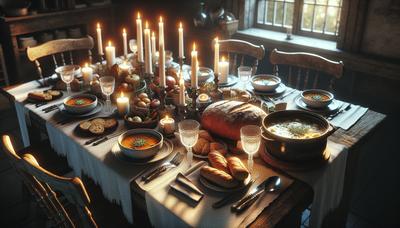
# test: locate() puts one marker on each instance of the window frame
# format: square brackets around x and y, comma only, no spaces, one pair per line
[296,25]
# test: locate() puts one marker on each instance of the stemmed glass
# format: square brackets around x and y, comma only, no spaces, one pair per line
[107,84]
[133,45]
[67,76]
[250,136]
[244,73]
[189,133]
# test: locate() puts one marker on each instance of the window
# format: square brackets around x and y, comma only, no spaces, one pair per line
[317,18]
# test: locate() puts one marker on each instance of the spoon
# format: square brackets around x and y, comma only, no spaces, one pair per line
[272,184]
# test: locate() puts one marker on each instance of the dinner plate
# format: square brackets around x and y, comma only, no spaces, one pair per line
[206,183]
[206,156]
[34,101]
[279,90]
[82,133]
[96,110]
[332,107]
[165,151]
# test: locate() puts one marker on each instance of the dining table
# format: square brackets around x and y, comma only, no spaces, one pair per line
[326,188]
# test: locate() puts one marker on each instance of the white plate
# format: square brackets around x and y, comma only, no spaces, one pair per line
[279,90]
[164,152]
[332,107]
[217,188]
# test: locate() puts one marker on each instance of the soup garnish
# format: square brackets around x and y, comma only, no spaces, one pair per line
[79,101]
[265,81]
[295,129]
[139,141]
[317,96]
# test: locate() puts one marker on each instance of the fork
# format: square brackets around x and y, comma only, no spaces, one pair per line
[105,138]
[174,162]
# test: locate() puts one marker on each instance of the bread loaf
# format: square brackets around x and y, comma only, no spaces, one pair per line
[202,147]
[218,161]
[225,118]
[237,168]
[218,177]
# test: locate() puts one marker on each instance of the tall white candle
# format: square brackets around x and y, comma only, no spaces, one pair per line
[161,32]
[153,44]
[161,65]
[99,40]
[125,42]
[148,65]
[216,55]
[223,69]
[123,105]
[194,68]
[181,88]
[110,55]
[181,49]
[87,74]
[139,38]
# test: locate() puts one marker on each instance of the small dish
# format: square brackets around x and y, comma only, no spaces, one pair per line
[79,104]
[150,122]
[140,143]
[265,82]
[279,90]
[203,74]
[96,110]
[331,108]
[317,98]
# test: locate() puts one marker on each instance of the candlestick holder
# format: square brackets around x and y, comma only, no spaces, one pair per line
[148,78]
[194,111]
[181,61]
[140,66]
[163,94]
[181,112]
[216,81]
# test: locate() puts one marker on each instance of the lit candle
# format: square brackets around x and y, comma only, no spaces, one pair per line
[123,105]
[99,40]
[161,32]
[203,97]
[223,70]
[167,124]
[110,55]
[153,44]
[139,38]
[194,67]
[148,65]
[181,49]
[124,67]
[181,89]
[87,74]
[216,55]
[125,42]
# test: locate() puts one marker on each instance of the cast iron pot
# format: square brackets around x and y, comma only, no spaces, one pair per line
[296,150]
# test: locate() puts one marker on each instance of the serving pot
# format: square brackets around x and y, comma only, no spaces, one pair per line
[296,150]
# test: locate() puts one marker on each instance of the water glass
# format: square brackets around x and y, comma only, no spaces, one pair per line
[67,76]
[107,84]
[250,136]
[133,45]
[244,73]
[189,133]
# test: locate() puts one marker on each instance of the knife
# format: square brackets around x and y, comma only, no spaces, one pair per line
[105,138]
[346,108]
[93,140]
[169,165]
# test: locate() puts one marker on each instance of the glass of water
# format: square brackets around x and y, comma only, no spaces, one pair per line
[107,84]
[67,76]
[189,133]
[244,73]
[250,135]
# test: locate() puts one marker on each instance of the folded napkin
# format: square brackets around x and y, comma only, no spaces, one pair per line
[187,189]
[347,119]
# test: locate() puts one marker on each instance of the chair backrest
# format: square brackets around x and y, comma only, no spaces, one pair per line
[238,50]
[59,47]
[71,188]
[305,62]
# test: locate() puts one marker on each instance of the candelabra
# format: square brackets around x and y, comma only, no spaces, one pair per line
[194,111]
[162,95]
[181,112]
[181,61]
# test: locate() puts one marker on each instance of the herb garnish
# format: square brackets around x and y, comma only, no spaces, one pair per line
[79,102]
[139,143]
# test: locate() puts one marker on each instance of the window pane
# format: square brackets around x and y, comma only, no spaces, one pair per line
[309,1]
[331,20]
[308,11]
[335,2]
[270,12]
[319,18]
[322,2]
[289,14]
[279,13]
[260,11]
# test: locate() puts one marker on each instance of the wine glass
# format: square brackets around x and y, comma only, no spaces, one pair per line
[244,73]
[107,84]
[133,45]
[189,133]
[250,136]
[67,76]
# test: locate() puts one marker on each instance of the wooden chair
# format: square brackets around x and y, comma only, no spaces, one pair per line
[239,50]
[56,48]
[308,62]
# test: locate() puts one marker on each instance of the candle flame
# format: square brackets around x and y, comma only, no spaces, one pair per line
[98,25]
[223,58]
[194,46]
[180,24]
[153,35]
[124,31]
[147,24]
[109,43]
[216,39]
[122,94]
[86,65]
[161,20]
[138,15]
[166,117]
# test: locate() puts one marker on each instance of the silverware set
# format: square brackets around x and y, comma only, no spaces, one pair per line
[100,139]
[158,171]
[340,111]
[232,197]
[51,108]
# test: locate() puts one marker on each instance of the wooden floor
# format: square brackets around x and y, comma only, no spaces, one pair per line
[375,200]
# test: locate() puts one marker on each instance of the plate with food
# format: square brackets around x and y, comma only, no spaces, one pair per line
[141,119]
[96,110]
[97,126]
[44,96]
[265,82]
[206,144]
[317,98]
[224,174]
[333,106]
[236,94]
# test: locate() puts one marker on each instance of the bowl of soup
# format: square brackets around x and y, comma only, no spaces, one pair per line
[140,143]
[79,104]
[317,98]
[295,135]
[265,82]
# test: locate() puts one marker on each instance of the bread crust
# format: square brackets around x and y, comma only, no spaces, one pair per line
[218,161]
[237,168]
[218,177]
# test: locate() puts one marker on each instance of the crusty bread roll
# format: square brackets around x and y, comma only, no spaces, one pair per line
[216,146]
[218,177]
[40,96]
[202,147]
[110,123]
[96,129]
[205,135]
[218,161]
[85,125]
[237,168]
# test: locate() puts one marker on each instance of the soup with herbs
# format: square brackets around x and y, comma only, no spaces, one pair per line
[79,101]
[140,141]
[317,96]
[295,129]
[265,81]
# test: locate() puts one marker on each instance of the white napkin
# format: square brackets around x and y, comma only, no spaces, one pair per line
[347,119]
